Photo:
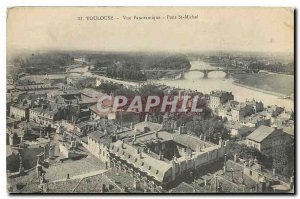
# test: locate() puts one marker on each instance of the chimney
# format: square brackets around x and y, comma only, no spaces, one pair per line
[226,142]
[225,166]
[199,148]
[146,118]
[131,125]
[145,129]
[235,158]
[201,136]
[220,141]
[182,130]
[113,138]
[255,160]
[41,133]
[250,163]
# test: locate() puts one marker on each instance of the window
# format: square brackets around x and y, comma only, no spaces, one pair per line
[250,172]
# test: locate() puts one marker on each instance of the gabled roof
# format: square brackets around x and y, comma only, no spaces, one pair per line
[100,137]
[261,133]
[152,166]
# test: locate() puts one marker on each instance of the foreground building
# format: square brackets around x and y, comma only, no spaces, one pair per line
[159,158]
[268,140]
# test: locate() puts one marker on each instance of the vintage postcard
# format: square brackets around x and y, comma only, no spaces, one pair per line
[150,100]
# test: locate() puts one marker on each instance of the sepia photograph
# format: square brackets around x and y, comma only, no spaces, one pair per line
[144,100]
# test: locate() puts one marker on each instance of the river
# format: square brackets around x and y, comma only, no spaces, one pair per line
[216,81]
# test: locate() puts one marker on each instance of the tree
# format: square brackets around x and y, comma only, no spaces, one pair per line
[243,151]
[109,87]
[283,160]
[212,128]
[149,89]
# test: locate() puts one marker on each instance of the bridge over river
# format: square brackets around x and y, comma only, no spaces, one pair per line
[204,71]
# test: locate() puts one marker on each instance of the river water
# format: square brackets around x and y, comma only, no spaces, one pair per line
[216,81]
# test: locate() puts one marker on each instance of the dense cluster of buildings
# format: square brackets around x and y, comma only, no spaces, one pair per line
[60,121]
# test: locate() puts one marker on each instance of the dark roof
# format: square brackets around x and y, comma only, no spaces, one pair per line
[21,106]
[82,124]
[100,137]
[70,92]
[219,93]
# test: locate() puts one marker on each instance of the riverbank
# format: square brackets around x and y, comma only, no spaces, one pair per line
[274,84]
[257,89]
[277,84]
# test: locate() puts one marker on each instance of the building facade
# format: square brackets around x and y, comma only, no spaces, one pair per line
[217,98]
[268,140]
[20,112]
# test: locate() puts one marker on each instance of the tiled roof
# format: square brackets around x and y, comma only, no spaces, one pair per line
[190,141]
[153,167]
[100,137]
[261,133]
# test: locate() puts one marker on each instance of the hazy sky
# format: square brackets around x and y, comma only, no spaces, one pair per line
[240,29]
